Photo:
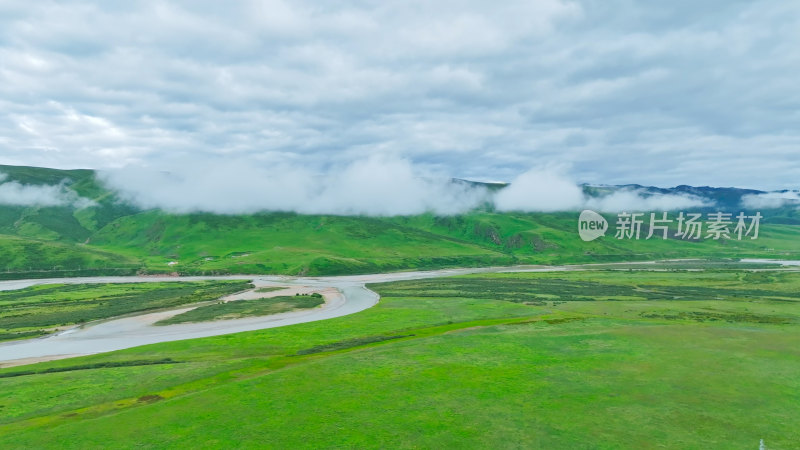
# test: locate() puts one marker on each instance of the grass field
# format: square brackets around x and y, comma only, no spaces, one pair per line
[283,243]
[589,359]
[246,308]
[39,309]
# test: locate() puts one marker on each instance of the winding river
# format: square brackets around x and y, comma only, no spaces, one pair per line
[344,295]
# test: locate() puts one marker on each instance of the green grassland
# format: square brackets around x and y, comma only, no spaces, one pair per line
[583,359]
[24,257]
[115,238]
[40,309]
[246,308]
[285,243]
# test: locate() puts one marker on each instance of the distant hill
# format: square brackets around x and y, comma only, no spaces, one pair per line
[109,236]
[725,198]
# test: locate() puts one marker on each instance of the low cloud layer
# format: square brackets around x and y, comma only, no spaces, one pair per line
[636,200]
[540,190]
[376,187]
[771,200]
[552,190]
[16,194]
[373,187]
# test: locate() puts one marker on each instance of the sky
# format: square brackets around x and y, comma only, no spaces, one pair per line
[611,91]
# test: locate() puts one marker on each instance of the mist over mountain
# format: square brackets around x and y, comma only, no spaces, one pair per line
[373,187]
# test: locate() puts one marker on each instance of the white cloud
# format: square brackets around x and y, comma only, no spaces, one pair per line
[540,190]
[14,193]
[770,200]
[377,187]
[636,200]
[551,190]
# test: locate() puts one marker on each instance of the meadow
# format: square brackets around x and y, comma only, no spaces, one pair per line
[41,309]
[246,308]
[581,359]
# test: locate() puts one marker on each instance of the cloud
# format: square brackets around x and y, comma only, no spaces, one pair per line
[377,186]
[384,187]
[770,200]
[547,190]
[540,190]
[636,200]
[14,193]
[621,91]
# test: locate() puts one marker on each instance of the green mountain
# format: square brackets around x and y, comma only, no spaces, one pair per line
[110,236]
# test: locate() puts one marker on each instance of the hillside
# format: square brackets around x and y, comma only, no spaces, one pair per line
[108,236]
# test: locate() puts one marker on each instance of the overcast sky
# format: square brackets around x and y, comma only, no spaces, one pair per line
[608,91]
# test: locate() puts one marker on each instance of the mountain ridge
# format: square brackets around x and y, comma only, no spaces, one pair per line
[114,237]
